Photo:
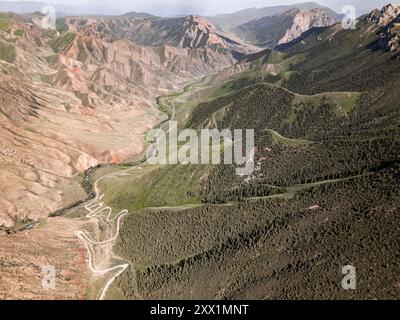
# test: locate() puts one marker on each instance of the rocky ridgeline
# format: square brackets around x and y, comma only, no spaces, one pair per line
[388,19]
[282,28]
[384,16]
[305,20]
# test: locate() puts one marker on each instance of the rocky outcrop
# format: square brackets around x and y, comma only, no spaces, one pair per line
[305,20]
[384,16]
[283,28]
[389,39]
[387,22]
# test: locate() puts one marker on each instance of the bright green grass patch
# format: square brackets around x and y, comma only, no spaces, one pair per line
[3,25]
[287,74]
[345,101]
[62,42]
[226,88]
[292,118]
[50,33]
[275,57]
[61,26]
[167,186]
[281,60]
[82,55]
[349,101]
[19,32]
[164,104]
[287,63]
[277,138]
[7,52]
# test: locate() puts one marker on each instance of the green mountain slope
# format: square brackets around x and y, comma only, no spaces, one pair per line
[324,193]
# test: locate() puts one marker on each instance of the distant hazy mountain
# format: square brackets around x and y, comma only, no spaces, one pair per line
[23,7]
[282,28]
[137,15]
[230,21]
[178,10]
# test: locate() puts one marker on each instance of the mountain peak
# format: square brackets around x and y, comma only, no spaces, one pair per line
[388,19]
[198,32]
[391,7]
[304,20]
[297,11]
[385,15]
[138,15]
[283,27]
[200,22]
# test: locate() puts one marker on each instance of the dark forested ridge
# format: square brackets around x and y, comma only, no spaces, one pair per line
[325,192]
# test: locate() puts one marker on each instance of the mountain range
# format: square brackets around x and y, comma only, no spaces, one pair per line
[232,21]
[282,28]
[90,66]
[77,102]
[89,72]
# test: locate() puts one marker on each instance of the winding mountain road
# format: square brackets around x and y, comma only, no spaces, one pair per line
[96,208]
